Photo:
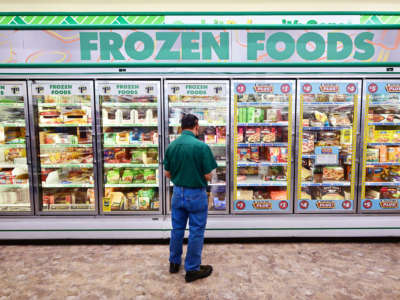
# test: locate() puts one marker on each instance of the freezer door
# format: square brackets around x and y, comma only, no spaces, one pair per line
[209,101]
[380,184]
[64,136]
[129,146]
[263,122]
[328,126]
[15,166]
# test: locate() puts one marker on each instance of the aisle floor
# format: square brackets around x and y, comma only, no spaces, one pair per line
[241,271]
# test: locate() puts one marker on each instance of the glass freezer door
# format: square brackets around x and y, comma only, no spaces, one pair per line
[328,122]
[63,115]
[380,190]
[208,100]
[263,123]
[15,196]
[129,143]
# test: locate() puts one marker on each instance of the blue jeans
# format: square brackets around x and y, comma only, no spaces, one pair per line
[192,204]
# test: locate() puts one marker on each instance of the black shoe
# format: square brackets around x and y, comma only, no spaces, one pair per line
[174,268]
[204,271]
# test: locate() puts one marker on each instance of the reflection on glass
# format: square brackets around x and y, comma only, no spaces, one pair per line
[14,178]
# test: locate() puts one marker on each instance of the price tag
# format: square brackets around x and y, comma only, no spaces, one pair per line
[326,155]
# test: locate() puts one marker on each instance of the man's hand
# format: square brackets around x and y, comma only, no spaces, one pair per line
[168,174]
[208,176]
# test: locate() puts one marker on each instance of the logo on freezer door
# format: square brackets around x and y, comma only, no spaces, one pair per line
[240,205]
[149,89]
[346,204]
[351,88]
[372,88]
[307,88]
[304,204]
[218,89]
[241,88]
[82,89]
[39,89]
[283,205]
[106,89]
[367,204]
[174,89]
[15,90]
[285,88]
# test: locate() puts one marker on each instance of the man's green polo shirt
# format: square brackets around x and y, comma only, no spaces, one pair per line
[188,160]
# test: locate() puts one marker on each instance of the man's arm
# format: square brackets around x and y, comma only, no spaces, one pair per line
[208,176]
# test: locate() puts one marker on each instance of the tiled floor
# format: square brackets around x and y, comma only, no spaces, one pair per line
[241,271]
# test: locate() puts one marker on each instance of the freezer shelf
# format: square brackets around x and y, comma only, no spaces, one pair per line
[262,104]
[282,124]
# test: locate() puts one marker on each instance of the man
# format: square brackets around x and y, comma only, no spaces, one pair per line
[188,163]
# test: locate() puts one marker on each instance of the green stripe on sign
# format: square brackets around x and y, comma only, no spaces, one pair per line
[47,20]
[58,20]
[88,20]
[27,19]
[130,19]
[140,19]
[100,20]
[364,19]
[150,20]
[122,20]
[6,20]
[160,20]
[37,20]
[79,19]
[108,20]
[70,20]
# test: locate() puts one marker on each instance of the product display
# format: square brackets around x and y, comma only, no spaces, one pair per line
[380,190]
[130,122]
[64,115]
[209,101]
[326,164]
[261,170]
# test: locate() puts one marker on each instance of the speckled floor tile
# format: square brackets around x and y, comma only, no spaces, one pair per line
[241,271]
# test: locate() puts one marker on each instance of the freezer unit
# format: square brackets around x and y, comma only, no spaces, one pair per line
[328,121]
[209,101]
[129,146]
[64,136]
[15,172]
[380,185]
[263,119]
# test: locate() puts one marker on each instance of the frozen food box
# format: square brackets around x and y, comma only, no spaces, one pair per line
[240,134]
[393,154]
[221,135]
[253,134]
[382,136]
[372,155]
[332,173]
[268,134]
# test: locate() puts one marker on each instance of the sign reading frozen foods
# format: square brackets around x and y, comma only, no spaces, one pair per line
[139,88]
[62,88]
[198,46]
[197,88]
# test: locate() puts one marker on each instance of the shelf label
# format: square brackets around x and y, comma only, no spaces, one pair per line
[326,155]
[11,90]
[62,88]
[198,88]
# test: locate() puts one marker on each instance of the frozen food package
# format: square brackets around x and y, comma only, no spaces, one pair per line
[253,134]
[372,155]
[268,134]
[332,193]
[139,156]
[221,135]
[243,194]
[151,156]
[251,115]
[254,154]
[345,136]
[378,175]
[339,120]
[242,115]
[259,115]
[308,142]
[396,136]
[149,175]
[127,176]
[240,134]
[112,176]
[382,136]
[278,195]
[305,195]
[274,115]
[372,194]
[393,154]
[321,117]
[274,154]
[244,154]
[138,176]
[210,136]
[145,196]
[109,138]
[331,173]
[383,153]
[306,174]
